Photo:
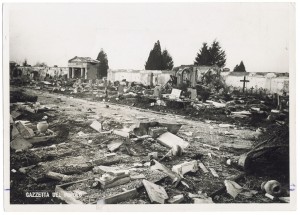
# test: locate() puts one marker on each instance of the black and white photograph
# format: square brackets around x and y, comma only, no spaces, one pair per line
[164,104]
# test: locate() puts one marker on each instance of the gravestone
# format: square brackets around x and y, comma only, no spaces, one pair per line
[157,91]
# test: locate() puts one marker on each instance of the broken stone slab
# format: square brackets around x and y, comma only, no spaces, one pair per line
[19,143]
[170,140]
[232,188]
[284,199]
[136,177]
[82,134]
[14,132]
[214,173]
[175,93]
[96,126]
[107,160]
[157,131]
[201,165]
[26,169]
[216,104]
[116,182]
[225,125]
[120,197]
[121,133]
[160,167]
[181,169]
[212,147]
[70,169]
[114,145]
[155,192]
[153,155]
[104,169]
[172,127]
[58,176]
[176,199]
[40,139]
[25,131]
[241,113]
[203,201]
[15,114]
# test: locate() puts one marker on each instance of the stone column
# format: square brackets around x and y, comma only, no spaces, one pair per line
[73,72]
[86,71]
[81,73]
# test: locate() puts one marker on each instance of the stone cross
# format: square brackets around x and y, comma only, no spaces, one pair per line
[244,83]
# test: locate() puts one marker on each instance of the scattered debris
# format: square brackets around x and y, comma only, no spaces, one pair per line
[169,140]
[126,195]
[96,126]
[233,188]
[155,192]
[181,169]
[114,145]
[201,165]
[272,187]
[214,173]
[176,199]
[203,201]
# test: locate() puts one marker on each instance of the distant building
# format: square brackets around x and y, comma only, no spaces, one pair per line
[83,67]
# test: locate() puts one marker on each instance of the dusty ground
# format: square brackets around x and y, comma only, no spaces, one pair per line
[71,153]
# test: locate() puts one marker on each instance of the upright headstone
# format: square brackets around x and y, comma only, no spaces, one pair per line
[157,91]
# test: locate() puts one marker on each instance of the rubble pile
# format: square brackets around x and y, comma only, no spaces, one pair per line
[99,151]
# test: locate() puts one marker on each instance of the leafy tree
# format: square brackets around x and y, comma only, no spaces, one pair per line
[240,68]
[209,56]
[154,61]
[167,61]
[103,65]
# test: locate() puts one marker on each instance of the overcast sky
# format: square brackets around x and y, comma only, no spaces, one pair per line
[257,33]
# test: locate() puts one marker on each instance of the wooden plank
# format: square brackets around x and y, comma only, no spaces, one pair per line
[155,192]
[170,140]
[120,197]
[201,165]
